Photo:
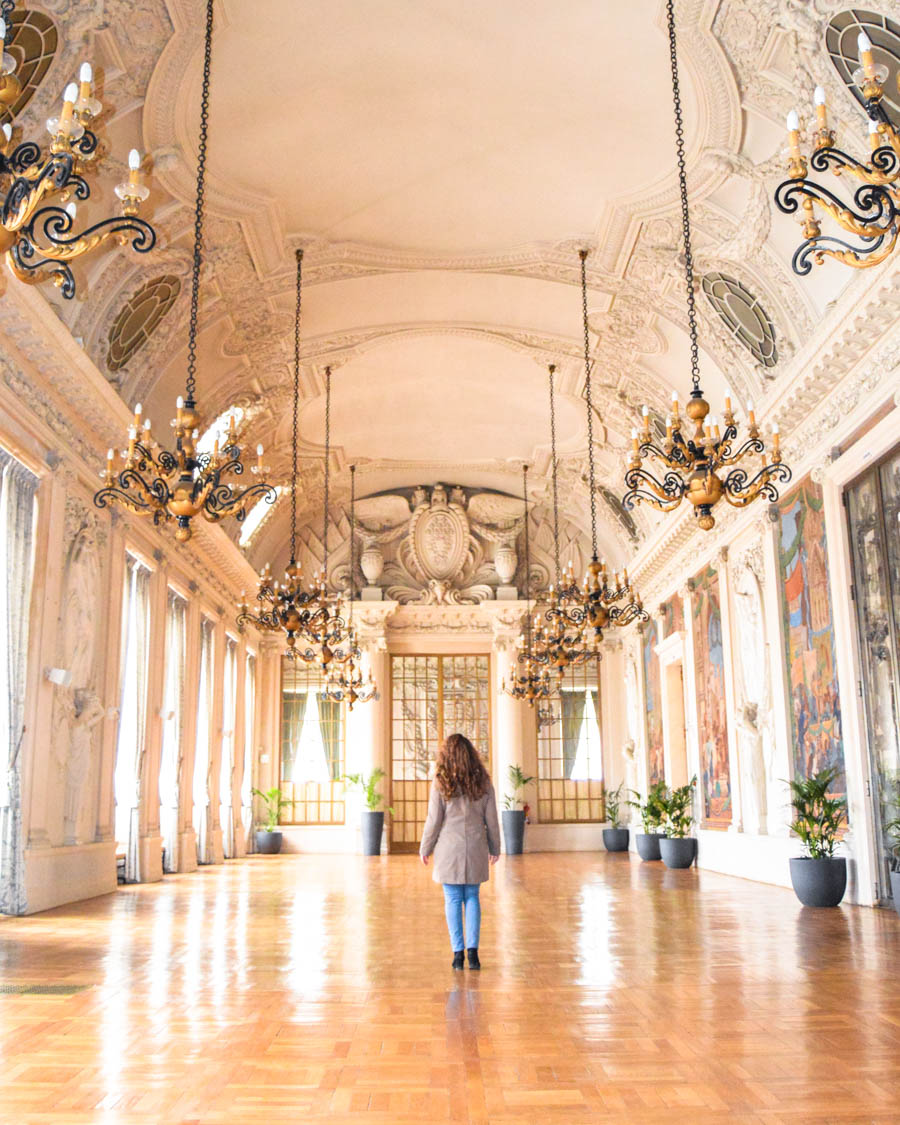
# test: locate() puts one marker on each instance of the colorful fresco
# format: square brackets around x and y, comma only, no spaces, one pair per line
[655,749]
[673,615]
[712,730]
[809,635]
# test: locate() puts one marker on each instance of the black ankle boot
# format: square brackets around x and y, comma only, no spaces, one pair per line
[474,963]
[458,960]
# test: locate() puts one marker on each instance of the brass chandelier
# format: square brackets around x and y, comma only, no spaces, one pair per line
[533,682]
[698,459]
[874,215]
[182,484]
[309,617]
[39,187]
[348,683]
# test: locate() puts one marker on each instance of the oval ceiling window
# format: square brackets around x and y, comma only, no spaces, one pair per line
[840,42]
[33,46]
[139,318]
[743,315]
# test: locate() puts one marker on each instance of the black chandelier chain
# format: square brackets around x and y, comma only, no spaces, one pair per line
[590,404]
[685,213]
[296,406]
[552,370]
[197,263]
[327,474]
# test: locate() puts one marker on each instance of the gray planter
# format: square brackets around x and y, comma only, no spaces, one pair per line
[648,844]
[678,851]
[372,824]
[514,830]
[819,882]
[895,889]
[615,839]
[268,843]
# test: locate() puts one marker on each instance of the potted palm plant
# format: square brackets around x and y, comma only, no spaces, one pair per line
[652,812]
[819,877]
[677,847]
[269,839]
[513,816]
[615,838]
[372,819]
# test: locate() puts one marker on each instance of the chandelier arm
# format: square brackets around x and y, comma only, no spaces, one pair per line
[724,455]
[552,370]
[878,211]
[590,405]
[295,407]
[220,501]
[740,490]
[27,191]
[685,211]
[815,250]
[24,160]
[681,456]
[883,170]
[197,258]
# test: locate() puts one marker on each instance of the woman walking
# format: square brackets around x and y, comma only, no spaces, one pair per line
[463,834]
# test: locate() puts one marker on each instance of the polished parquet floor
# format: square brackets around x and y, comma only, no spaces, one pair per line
[305,988]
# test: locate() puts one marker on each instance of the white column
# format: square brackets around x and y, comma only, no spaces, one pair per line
[734,767]
[187,837]
[150,843]
[510,746]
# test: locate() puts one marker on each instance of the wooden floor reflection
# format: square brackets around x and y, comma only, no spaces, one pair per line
[319,988]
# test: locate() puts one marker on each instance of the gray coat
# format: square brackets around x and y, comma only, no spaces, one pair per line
[462,834]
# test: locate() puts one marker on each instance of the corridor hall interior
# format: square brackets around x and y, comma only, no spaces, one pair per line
[377,373]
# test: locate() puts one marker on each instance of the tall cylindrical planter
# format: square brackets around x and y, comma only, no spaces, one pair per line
[678,851]
[895,889]
[648,844]
[615,839]
[819,882]
[514,830]
[372,824]
[268,843]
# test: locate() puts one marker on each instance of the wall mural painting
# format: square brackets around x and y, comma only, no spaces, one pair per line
[655,750]
[712,730]
[673,615]
[809,635]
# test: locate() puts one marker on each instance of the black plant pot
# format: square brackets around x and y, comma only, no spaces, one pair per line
[514,830]
[819,882]
[648,844]
[678,851]
[615,839]
[268,843]
[372,824]
[895,889]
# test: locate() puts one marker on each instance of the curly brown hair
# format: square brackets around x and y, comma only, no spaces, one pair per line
[460,771]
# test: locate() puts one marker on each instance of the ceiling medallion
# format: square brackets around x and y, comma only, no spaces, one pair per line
[181,485]
[700,461]
[39,188]
[872,213]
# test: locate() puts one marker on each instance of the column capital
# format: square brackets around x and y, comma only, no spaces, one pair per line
[371,620]
[506,622]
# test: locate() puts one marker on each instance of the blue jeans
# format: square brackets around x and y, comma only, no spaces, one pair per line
[455,894]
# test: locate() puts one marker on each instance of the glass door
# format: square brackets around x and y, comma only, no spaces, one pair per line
[873,507]
[431,697]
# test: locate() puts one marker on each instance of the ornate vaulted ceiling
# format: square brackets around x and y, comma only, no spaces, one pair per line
[442,162]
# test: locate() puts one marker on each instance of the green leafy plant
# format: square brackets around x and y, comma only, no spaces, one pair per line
[891,828]
[652,811]
[518,780]
[274,802]
[818,818]
[369,786]
[680,810]
[613,800]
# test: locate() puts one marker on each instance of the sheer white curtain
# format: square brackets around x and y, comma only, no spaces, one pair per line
[130,747]
[173,712]
[18,488]
[226,767]
[249,727]
[201,752]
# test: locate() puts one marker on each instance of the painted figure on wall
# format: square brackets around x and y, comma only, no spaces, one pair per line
[673,615]
[655,747]
[809,635]
[712,729]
